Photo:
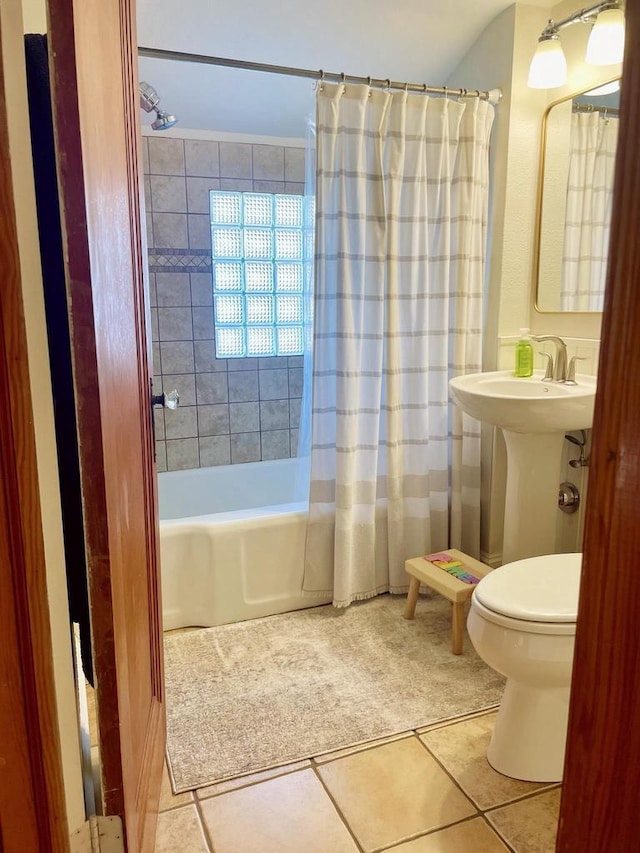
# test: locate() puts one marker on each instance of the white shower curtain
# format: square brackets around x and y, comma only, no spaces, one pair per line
[304,429]
[402,187]
[592,153]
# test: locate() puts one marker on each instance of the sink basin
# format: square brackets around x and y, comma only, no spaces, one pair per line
[526,405]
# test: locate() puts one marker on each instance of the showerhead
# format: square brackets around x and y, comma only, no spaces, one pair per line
[164,121]
[149,101]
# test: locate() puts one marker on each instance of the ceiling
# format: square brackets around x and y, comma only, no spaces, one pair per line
[418,41]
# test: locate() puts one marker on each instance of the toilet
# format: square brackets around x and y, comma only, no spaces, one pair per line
[522,623]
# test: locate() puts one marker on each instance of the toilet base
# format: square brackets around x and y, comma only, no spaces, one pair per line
[530,733]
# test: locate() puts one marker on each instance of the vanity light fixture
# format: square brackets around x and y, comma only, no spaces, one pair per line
[548,68]
[606,42]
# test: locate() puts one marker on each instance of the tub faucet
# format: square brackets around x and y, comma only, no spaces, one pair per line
[560,363]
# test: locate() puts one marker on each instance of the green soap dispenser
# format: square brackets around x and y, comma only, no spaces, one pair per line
[524,355]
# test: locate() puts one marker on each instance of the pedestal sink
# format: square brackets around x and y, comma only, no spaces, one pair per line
[533,416]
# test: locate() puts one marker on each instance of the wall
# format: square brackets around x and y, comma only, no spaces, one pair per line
[231,410]
[492,62]
[24,197]
[34,16]
[580,76]
[501,57]
[489,65]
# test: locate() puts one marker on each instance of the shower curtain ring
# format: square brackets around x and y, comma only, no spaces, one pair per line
[388,84]
[321,80]
[424,88]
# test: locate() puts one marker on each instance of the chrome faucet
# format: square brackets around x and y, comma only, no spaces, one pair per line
[559,365]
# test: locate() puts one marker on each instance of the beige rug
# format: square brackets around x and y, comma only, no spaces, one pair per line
[252,695]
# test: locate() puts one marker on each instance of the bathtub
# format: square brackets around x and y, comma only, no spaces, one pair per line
[232,542]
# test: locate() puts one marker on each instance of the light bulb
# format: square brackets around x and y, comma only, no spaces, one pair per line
[606,42]
[548,67]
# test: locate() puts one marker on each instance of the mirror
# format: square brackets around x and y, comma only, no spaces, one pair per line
[579,138]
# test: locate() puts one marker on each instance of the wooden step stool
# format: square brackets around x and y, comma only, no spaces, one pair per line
[438,579]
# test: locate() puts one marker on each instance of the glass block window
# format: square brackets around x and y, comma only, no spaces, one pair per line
[258,273]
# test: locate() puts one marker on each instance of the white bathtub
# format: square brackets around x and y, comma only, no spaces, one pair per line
[232,542]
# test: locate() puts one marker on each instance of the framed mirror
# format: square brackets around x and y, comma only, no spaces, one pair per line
[577,160]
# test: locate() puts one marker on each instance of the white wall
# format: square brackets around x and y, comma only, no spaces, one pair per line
[580,76]
[410,40]
[34,16]
[495,60]
[501,57]
[24,197]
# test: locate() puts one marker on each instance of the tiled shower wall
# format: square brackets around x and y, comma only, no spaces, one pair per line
[231,410]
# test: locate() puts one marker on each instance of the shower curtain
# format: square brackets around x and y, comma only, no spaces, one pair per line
[308,258]
[592,153]
[402,189]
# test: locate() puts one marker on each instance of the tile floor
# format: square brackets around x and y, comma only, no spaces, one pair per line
[426,791]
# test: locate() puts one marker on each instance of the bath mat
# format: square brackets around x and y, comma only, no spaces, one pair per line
[253,695]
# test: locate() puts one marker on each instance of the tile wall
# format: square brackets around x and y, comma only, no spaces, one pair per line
[231,410]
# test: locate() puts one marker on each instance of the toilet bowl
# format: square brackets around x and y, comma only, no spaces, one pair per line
[522,623]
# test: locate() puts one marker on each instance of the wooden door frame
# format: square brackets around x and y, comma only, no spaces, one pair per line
[599,800]
[86,385]
[74,25]
[599,807]
[32,797]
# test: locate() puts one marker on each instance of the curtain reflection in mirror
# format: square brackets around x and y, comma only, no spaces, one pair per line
[593,141]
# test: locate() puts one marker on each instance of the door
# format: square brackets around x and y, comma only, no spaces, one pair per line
[93,58]
[599,808]
[32,795]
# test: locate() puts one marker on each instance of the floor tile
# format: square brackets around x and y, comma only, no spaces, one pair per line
[249,779]
[393,792]
[462,749]
[289,814]
[180,830]
[169,800]
[531,825]
[472,836]
[341,753]
[459,719]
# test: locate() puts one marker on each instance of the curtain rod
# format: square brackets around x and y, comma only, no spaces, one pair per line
[595,108]
[493,95]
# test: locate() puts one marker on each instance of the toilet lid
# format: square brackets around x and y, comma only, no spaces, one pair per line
[539,589]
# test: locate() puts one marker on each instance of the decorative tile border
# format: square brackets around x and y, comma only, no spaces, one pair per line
[179,260]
